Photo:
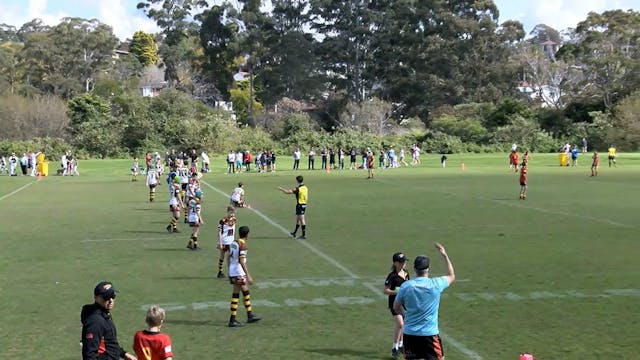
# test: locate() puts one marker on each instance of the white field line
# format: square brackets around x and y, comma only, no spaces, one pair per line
[456,344]
[285,231]
[17,190]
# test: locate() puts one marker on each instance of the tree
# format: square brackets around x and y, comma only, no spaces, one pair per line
[64,60]
[9,65]
[8,33]
[90,115]
[542,33]
[143,47]
[290,66]
[609,55]
[218,38]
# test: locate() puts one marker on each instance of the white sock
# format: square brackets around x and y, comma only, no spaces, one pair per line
[395,345]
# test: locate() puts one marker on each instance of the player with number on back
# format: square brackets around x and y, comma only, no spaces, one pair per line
[226,234]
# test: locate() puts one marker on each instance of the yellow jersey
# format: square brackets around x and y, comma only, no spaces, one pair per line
[302,194]
[612,151]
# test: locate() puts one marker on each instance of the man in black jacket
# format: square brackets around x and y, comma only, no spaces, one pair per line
[99,336]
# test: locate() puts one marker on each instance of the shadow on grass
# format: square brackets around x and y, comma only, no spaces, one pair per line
[348,352]
[148,209]
[505,199]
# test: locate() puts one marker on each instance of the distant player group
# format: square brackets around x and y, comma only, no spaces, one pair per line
[524,171]
[185,198]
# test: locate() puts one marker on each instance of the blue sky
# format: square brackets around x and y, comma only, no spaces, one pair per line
[125,19]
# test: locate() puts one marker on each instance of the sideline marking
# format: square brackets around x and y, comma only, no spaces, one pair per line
[17,190]
[456,344]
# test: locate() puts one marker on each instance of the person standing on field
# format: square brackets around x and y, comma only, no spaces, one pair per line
[151,344]
[595,165]
[302,196]
[395,279]
[419,300]
[99,336]
[240,278]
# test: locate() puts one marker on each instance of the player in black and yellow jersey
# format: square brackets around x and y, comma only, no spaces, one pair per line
[302,196]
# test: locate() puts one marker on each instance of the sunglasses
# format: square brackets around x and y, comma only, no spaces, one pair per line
[108,297]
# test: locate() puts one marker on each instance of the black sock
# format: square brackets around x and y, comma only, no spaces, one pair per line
[304,230]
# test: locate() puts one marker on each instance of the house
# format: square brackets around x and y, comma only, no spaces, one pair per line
[152,81]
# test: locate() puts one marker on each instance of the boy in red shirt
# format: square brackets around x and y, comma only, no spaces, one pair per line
[523,181]
[151,344]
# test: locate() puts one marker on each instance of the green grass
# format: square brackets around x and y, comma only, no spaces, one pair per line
[556,275]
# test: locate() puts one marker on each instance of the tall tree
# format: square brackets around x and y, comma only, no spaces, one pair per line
[66,58]
[609,54]
[143,47]
[290,66]
[218,37]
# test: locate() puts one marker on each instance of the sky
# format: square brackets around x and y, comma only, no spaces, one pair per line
[125,19]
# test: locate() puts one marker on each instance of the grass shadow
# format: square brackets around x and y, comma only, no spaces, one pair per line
[146,232]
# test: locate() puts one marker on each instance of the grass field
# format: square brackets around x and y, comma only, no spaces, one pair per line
[555,275]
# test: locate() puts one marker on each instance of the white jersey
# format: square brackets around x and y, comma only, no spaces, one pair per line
[194,211]
[152,178]
[183,172]
[191,190]
[227,230]
[237,194]
[174,194]
[237,251]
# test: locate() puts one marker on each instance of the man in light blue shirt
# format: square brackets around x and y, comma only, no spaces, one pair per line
[419,300]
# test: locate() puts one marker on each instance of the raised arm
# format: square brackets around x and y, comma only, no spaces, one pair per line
[451,275]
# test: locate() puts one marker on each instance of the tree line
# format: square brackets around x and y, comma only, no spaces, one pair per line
[442,73]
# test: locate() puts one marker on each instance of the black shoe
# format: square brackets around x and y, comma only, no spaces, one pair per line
[169,229]
[189,246]
[253,319]
[220,275]
[196,248]
[175,230]
[186,221]
[234,323]
[301,237]
[293,234]
[395,353]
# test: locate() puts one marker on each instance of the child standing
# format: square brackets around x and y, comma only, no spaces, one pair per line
[151,343]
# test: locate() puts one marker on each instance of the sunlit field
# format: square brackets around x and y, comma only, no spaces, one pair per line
[555,275]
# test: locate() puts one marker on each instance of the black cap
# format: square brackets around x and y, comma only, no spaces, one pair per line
[399,257]
[105,290]
[421,263]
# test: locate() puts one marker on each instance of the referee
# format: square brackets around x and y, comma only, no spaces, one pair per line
[302,195]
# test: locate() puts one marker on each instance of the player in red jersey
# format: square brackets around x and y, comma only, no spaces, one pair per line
[151,344]
[595,165]
[523,180]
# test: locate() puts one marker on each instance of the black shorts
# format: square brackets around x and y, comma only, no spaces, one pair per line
[300,209]
[423,347]
[523,183]
[193,224]
[611,157]
[238,280]
[393,312]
